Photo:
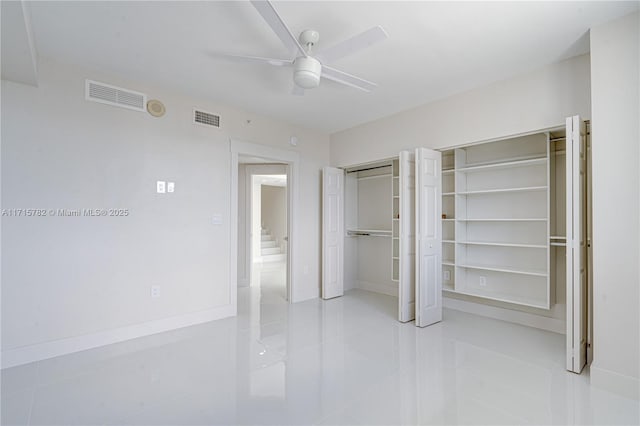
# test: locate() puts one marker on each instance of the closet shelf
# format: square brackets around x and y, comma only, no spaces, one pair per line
[497,191]
[504,165]
[506,269]
[525,219]
[368,233]
[448,193]
[448,262]
[448,220]
[448,287]
[499,244]
[449,241]
[508,298]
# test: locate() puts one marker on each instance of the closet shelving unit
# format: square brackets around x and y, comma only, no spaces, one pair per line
[496,221]
[395,221]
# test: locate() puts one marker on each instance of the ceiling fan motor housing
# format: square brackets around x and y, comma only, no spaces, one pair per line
[307,72]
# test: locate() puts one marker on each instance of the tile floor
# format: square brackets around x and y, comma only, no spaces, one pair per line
[345,361]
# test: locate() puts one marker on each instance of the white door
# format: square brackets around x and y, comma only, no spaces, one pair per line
[576,246]
[332,232]
[428,237]
[407,223]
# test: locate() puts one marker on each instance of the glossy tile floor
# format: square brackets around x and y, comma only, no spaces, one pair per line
[345,361]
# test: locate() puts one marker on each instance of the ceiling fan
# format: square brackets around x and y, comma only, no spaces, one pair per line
[308,68]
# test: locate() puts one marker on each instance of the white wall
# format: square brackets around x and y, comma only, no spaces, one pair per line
[533,101]
[616,205]
[274,212]
[538,100]
[87,280]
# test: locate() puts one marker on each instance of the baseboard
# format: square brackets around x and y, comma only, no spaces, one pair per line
[387,289]
[531,320]
[617,383]
[41,351]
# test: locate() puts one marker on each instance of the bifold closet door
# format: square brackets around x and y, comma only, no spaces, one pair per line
[407,252]
[428,237]
[576,151]
[332,232]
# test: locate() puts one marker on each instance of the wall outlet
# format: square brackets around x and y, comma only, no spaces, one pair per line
[217,219]
[160,186]
[155,291]
[447,275]
[483,281]
[171,186]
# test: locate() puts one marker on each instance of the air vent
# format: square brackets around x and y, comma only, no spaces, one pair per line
[116,96]
[206,118]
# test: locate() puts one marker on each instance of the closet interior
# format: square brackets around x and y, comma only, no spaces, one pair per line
[371,205]
[504,220]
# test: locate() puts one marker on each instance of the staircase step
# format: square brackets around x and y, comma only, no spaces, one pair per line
[270,250]
[274,257]
[266,237]
[267,244]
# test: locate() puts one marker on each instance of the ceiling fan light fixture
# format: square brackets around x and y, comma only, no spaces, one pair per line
[307,71]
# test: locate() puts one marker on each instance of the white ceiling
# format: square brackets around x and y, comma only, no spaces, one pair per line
[435,49]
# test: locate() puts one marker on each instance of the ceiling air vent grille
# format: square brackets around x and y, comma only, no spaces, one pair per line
[116,96]
[206,118]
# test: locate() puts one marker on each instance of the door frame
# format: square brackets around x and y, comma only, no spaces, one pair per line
[278,155]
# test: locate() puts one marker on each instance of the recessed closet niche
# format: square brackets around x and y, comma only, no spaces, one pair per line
[371,211]
[504,223]
[374,205]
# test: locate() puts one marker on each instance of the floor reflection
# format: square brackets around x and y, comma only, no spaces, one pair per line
[343,361]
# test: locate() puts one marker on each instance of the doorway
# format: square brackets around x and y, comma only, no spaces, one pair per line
[267,239]
[269,161]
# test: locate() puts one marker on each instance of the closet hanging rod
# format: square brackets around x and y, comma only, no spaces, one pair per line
[369,168]
[368,233]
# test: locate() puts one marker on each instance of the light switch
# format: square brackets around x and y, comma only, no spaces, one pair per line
[160,185]
[171,186]
[217,219]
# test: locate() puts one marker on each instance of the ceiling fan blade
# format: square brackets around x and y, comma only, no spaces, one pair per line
[347,79]
[259,59]
[269,14]
[352,45]
[297,90]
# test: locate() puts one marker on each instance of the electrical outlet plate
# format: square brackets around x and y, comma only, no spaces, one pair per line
[171,186]
[160,186]
[483,281]
[447,275]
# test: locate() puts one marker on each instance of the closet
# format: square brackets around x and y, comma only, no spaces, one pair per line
[514,225]
[369,231]
[502,221]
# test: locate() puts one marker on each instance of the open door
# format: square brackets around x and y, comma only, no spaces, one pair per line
[407,278]
[428,237]
[332,232]
[576,245]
